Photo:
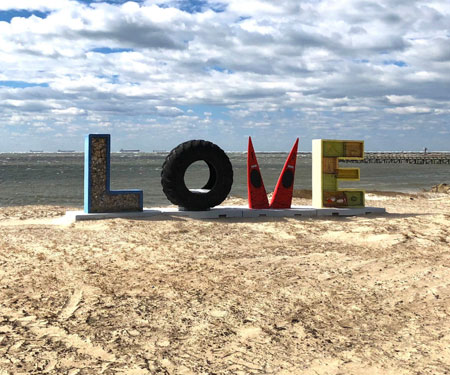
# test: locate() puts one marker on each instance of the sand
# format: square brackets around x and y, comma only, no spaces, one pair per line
[340,295]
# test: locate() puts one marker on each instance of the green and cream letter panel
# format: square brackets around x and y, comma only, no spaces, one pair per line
[326,173]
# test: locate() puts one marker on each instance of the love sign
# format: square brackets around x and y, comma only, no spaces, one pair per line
[99,198]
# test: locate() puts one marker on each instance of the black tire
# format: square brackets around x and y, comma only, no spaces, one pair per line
[178,161]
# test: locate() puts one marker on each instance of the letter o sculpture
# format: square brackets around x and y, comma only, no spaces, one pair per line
[219,182]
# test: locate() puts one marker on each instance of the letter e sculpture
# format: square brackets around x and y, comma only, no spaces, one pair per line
[326,173]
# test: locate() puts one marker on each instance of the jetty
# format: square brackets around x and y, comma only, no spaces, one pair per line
[404,157]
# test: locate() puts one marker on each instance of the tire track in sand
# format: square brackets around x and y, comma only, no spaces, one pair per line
[42,329]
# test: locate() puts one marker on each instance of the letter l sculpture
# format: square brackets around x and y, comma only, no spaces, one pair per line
[98,197]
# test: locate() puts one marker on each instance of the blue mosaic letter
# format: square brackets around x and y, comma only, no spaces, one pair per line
[97,194]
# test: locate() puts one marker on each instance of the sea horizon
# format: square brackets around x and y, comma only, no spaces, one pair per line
[227,151]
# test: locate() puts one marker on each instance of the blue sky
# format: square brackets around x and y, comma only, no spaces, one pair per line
[156,73]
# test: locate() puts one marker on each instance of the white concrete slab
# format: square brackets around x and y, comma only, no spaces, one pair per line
[375,210]
[81,215]
[349,211]
[220,212]
[297,211]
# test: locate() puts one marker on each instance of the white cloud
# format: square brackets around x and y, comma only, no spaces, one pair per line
[353,109]
[409,110]
[168,111]
[72,111]
[401,99]
[41,5]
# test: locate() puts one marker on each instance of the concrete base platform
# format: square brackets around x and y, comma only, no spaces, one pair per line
[225,212]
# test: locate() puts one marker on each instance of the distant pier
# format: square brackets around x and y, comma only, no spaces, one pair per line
[404,157]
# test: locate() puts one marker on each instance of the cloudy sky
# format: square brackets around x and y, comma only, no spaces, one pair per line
[155,73]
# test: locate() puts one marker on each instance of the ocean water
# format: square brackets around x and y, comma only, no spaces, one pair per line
[57,179]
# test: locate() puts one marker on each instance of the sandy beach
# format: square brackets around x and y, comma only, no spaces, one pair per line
[334,295]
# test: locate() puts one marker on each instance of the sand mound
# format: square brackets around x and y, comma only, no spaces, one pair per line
[441,188]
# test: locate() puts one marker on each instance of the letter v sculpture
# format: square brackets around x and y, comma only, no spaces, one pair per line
[282,195]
